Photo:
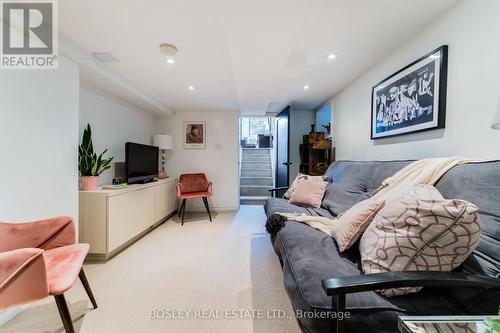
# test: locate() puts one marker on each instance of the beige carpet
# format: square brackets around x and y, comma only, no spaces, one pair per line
[224,273]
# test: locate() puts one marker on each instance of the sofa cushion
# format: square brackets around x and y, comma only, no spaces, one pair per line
[479,183]
[280,205]
[420,231]
[354,181]
[308,256]
[339,198]
[314,256]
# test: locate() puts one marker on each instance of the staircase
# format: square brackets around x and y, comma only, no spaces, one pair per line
[256,176]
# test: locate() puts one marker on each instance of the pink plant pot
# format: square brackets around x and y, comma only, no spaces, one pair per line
[89,183]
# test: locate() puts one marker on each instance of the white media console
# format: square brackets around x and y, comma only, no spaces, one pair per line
[111,220]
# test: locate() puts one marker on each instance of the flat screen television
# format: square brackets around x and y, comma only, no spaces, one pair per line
[141,163]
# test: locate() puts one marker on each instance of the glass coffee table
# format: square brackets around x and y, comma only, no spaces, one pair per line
[446,324]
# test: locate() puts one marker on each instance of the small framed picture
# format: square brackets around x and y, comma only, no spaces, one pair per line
[412,99]
[195,134]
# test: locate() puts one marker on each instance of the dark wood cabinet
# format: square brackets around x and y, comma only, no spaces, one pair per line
[316,154]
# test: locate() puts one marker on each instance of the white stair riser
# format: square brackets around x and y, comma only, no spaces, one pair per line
[266,181]
[256,191]
[250,151]
[256,173]
[260,157]
[252,201]
[255,165]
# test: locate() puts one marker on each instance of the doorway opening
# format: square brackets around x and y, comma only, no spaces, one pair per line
[256,159]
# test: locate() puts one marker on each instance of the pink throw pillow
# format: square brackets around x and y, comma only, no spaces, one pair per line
[308,193]
[349,226]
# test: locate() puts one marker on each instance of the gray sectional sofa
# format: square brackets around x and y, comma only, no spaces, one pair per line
[316,273]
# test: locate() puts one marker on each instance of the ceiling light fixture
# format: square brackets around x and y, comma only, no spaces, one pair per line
[190,87]
[306,87]
[331,56]
[170,51]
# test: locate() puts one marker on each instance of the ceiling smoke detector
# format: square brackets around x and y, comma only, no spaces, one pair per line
[168,49]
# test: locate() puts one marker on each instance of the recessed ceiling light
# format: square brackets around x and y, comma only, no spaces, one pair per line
[331,56]
[170,61]
[306,87]
[191,87]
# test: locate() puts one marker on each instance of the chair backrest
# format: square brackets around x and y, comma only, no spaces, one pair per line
[193,182]
[44,234]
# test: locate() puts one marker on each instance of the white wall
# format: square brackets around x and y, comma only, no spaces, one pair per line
[323,116]
[300,124]
[38,143]
[219,161]
[472,30]
[113,123]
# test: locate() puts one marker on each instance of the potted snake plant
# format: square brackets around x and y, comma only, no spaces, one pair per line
[90,164]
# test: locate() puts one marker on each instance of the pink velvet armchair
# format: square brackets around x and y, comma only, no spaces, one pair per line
[40,259]
[194,185]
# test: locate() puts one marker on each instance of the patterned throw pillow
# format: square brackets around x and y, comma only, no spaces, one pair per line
[421,231]
[301,176]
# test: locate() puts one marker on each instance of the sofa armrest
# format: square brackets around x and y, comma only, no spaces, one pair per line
[341,286]
[23,277]
[274,190]
[368,282]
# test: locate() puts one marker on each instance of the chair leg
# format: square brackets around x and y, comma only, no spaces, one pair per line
[64,313]
[182,207]
[86,285]
[183,211]
[205,201]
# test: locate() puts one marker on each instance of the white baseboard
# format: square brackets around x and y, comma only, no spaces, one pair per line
[5,316]
[221,208]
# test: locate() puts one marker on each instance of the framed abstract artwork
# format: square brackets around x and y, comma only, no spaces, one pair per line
[412,99]
[195,134]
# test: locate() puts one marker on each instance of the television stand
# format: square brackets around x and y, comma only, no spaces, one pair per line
[111,220]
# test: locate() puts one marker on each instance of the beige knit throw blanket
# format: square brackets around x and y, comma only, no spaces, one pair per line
[422,172]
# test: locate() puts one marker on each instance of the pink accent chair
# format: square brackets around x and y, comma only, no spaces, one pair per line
[194,185]
[40,259]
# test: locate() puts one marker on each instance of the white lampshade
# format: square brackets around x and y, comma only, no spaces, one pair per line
[496,120]
[163,141]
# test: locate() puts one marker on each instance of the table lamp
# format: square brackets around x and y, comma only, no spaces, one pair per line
[496,119]
[164,142]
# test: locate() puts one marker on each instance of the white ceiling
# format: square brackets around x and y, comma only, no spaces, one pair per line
[241,54]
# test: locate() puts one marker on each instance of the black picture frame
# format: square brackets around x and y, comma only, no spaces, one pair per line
[416,95]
